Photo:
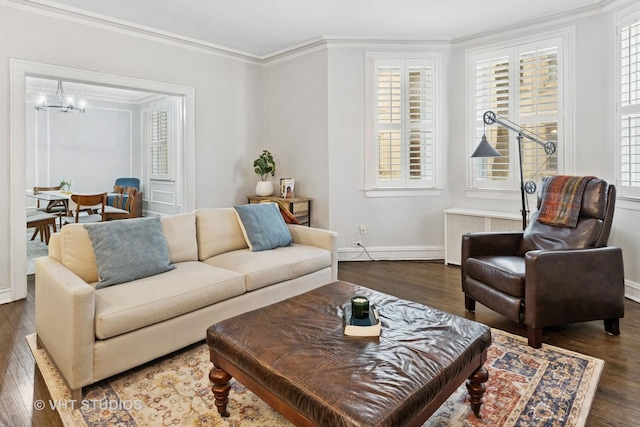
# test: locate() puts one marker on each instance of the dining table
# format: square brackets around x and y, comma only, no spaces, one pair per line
[54,196]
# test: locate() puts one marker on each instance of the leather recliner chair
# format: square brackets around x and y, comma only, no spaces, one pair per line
[549,275]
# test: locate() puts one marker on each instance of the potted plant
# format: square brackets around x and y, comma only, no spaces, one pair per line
[65,185]
[264,166]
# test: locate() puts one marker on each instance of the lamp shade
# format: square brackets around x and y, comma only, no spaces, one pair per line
[484,149]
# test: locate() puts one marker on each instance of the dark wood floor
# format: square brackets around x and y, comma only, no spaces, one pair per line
[431,283]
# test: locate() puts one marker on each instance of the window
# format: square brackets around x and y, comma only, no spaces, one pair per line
[629,104]
[163,132]
[158,143]
[524,85]
[401,122]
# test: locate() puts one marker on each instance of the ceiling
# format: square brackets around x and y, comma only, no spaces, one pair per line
[263,28]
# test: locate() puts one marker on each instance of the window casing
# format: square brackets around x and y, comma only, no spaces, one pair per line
[628,100]
[402,121]
[524,84]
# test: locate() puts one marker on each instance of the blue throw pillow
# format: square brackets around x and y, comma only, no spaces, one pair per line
[263,226]
[129,249]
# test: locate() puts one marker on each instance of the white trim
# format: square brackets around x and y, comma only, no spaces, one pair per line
[632,290]
[402,192]
[625,17]
[392,253]
[153,193]
[19,70]
[58,11]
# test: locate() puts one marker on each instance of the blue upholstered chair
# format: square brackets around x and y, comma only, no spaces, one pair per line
[124,182]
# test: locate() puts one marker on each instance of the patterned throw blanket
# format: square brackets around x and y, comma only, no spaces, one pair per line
[563,198]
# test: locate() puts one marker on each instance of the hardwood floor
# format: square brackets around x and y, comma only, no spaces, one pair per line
[430,283]
[437,285]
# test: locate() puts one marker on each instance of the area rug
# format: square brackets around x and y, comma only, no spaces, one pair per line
[532,387]
[35,249]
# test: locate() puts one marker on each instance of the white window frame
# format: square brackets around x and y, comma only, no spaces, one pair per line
[510,188]
[625,18]
[374,188]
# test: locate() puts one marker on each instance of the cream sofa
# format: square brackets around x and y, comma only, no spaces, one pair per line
[91,334]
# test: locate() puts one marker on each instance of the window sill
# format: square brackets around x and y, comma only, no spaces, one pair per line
[402,192]
[628,202]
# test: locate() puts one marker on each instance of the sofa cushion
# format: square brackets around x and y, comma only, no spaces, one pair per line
[264,268]
[76,253]
[143,302]
[218,231]
[128,250]
[263,226]
[180,231]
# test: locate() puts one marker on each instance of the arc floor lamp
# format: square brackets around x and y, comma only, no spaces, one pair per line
[484,149]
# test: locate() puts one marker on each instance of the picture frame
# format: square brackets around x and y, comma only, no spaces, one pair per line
[287,188]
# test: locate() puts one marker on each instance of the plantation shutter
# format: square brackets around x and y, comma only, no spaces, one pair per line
[630,104]
[158,143]
[404,109]
[420,124]
[492,91]
[538,108]
[389,107]
[521,84]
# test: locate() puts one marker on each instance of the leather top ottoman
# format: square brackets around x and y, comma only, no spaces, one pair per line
[295,356]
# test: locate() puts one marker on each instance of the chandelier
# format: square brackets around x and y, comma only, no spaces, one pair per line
[61,102]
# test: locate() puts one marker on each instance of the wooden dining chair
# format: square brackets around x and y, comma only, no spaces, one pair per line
[85,206]
[132,208]
[41,221]
[59,208]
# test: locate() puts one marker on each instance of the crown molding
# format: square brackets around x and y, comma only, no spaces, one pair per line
[56,11]
[48,8]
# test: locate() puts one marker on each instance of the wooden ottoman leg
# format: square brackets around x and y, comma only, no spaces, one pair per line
[220,388]
[476,388]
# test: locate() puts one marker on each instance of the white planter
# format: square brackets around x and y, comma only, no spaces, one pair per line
[264,188]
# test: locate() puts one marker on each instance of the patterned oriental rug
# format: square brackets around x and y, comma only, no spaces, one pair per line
[547,386]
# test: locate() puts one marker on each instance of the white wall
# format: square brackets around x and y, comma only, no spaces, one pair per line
[397,227]
[296,128]
[228,102]
[93,148]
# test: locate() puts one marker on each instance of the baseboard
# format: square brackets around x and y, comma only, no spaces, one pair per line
[632,290]
[5,296]
[391,253]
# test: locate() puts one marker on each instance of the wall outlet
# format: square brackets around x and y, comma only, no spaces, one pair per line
[363,230]
[356,244]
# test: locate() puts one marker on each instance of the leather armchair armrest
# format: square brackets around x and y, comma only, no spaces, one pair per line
[570,286]
[489,243]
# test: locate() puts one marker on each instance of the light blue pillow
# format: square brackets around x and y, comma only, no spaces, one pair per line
[129,249]
[263,226]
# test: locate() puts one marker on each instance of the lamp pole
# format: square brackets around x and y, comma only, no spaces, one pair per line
[490,118]
[524,211]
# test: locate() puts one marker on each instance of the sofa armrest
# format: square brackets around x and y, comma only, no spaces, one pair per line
[320,238]
[567,286]
[65,312]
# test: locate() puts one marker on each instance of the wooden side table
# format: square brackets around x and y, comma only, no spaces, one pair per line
[300,207]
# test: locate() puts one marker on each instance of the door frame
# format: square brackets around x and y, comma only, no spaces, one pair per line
[19,71]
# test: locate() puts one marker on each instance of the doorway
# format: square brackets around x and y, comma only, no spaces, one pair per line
[19,72]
